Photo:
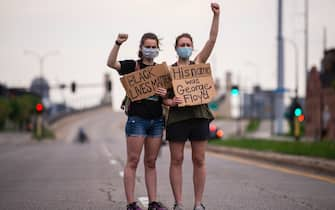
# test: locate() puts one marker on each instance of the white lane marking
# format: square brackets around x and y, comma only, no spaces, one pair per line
[144,201]
[106,150]
[112,162]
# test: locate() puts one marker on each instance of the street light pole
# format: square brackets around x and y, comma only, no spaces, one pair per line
[279,102]
[296,55]
[41,58]
[306,38]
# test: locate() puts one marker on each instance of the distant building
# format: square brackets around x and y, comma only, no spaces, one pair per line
[3,90]
[259,104]
[327,75]
[320,99]
[40,87]
[12,91]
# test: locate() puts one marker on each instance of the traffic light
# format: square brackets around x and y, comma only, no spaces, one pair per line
[301,118]
[73,87]
[39,108]
[297,111]
[296,118]
[234,90]
[62,86]
[109,85]
[213,106]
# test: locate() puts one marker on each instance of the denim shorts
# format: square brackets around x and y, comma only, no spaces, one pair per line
[137,126]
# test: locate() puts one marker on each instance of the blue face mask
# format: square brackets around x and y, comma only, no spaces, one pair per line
[184,52]
[150,53]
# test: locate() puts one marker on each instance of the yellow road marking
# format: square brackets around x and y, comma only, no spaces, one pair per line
[275,168]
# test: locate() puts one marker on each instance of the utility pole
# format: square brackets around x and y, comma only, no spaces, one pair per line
[306,39]
[324,39]
[296,56]
[279,102]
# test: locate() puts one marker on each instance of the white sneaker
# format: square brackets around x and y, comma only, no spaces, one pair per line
[178,207]
[201,207]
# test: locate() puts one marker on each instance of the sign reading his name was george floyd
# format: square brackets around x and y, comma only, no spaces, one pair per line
[193,83]
[143,83]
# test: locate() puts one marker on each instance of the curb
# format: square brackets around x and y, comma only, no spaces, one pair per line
[317,165]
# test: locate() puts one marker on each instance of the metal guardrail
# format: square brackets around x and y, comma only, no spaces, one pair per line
[54,119]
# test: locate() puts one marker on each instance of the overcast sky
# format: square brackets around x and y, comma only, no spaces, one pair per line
[84,31]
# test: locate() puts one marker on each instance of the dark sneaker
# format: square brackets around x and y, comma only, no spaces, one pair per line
[133,206]
[156,206]
[201,207]
[178,207]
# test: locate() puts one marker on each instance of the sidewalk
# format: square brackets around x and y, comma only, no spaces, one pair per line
[15,138]
[230,129]
[317,165]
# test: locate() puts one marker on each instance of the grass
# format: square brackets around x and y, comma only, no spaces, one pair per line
[253,125]
[46,134]
[324,149]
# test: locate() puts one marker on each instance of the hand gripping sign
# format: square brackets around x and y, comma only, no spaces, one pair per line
[193,83]
[143,83]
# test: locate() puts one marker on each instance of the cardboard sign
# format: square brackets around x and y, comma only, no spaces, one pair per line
[143,83]
[193,83]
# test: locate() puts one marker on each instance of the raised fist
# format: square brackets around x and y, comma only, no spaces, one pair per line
[215,8]
[122,38]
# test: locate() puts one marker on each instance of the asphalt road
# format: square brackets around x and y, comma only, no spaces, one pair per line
[64,174]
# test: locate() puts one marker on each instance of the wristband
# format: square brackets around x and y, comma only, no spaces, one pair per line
[118,43]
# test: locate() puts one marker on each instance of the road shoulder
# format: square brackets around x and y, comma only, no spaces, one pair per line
[316,165]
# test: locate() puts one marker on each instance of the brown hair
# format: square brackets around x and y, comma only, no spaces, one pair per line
[145,37]
[186,35]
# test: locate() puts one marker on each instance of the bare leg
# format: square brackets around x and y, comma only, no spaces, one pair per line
[152,146]
[134,149]
[176,163]
[199,169]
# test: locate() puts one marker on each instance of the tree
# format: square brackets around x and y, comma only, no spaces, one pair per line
[22,109]
[5,111]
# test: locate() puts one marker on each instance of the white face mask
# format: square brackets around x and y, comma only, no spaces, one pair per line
[150,52]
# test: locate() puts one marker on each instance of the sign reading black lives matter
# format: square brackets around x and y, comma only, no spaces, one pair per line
[143,83]
[193,83]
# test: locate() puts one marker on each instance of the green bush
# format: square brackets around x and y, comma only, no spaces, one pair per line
[253,125]
[22,109]
[5,110]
